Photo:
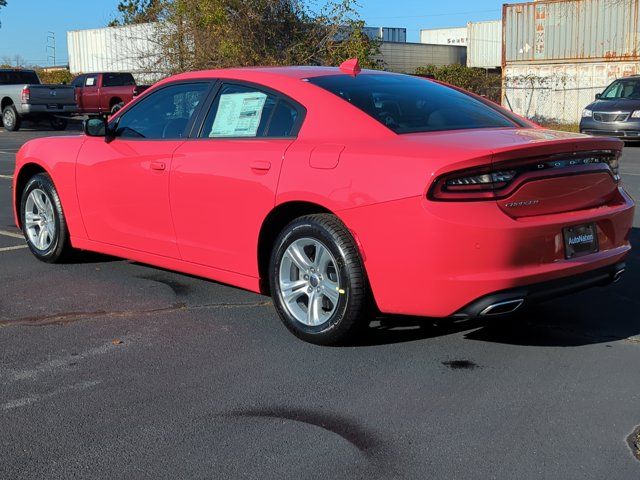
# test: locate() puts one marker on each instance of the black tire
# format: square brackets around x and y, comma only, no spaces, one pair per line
[116,106]
[10,118]
[60,247]
[58,123]
[349,312]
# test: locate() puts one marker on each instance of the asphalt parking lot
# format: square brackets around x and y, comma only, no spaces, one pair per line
[112,369]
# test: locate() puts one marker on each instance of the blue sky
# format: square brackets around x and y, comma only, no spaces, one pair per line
[25,23]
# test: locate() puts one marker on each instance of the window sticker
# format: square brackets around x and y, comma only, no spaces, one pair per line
[91,81]
[238,115]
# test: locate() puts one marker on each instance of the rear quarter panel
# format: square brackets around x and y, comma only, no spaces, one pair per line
[56,156]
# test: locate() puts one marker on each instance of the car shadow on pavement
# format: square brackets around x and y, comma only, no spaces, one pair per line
[597,315]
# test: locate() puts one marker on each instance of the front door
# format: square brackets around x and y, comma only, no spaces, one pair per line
[123,183]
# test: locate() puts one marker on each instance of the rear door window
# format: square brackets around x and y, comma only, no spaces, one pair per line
[241,111]
[112,80]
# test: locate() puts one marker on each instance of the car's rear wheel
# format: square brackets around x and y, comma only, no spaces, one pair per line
[43,221]
[317,280]
[10,118]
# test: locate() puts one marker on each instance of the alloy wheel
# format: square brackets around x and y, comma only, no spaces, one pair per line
[309,282]
[40,222]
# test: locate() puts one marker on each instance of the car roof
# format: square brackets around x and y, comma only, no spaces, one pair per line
[297,72]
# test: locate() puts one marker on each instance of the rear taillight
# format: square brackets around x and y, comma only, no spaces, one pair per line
[475,184]
[494,181]
[25,96]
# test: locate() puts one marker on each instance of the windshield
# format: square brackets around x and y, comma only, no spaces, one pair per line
[407,104]
[628,88]
[17,77]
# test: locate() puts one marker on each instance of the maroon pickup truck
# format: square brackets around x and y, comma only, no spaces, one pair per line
[105,92]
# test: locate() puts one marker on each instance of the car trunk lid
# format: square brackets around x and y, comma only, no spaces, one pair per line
[544,171]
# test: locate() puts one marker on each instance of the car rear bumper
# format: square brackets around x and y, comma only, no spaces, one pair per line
[509,301]
[436,258]
[53,109]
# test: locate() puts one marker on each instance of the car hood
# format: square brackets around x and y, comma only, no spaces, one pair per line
[616,105]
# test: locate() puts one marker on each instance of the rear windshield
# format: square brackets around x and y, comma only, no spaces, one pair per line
[17,77]
[407,104]
[117,80]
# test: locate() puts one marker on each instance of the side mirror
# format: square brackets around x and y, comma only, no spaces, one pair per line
[95,127]
[598,95]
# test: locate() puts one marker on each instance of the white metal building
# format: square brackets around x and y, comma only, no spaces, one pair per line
[482,39]
[444,36]
[134,49]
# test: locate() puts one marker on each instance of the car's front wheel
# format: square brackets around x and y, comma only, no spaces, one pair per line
[43,221]
[317,280]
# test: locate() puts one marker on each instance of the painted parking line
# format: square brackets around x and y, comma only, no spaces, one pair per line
[15,247]
[6,233]
[6,177]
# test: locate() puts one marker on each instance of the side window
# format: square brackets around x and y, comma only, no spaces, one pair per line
[164,114]
[283,120]
[613,91]
[127,79]
[114,80]
[91,81]
[78,81]
[238,111]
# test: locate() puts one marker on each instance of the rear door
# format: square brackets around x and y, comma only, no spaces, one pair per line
[223,183]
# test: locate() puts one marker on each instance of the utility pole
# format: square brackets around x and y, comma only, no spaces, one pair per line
[51,45]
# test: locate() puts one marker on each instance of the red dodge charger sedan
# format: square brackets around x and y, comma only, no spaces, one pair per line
[334,189]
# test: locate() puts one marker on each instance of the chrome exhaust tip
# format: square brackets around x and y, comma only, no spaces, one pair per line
[617,276]
[502,308]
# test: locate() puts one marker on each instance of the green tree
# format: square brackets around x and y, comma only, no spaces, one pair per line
[136,11]
[475,80]
[3,3]
[203,34]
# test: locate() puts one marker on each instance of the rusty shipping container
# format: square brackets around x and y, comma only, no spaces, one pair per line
[570,30]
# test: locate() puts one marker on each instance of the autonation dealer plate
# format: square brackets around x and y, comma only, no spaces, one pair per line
[580,240]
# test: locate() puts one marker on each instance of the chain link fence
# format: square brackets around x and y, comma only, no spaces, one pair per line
[552,99]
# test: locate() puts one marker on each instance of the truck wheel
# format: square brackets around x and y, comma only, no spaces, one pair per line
[58,123]
[116,107]
[10,118]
